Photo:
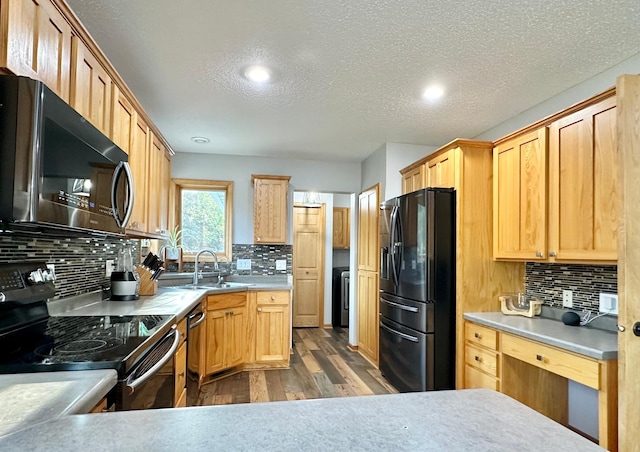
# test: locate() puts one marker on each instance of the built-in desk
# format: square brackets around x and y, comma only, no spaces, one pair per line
[532,359]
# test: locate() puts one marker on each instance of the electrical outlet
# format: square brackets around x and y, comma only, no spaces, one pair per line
[109,267]
[281,264]
[609,303]
[244,264]
[567,299]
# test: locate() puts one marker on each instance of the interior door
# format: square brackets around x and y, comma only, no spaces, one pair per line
[308,266]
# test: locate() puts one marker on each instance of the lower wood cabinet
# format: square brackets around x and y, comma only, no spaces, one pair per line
[226,331]
[180,375]
[270,329]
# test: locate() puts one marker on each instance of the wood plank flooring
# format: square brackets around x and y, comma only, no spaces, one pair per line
[321,366]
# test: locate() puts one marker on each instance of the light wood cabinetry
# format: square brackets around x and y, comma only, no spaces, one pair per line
[479,278]
[138,161]
[269,329]
[441,170]
[583,184]
[368,274]
[341,227]
[226,331]
[36,42]
[270,208]
[414,178]
[158,180]
[536,374]
[520,197]
[91,87]
[180,367]
[123,120]
[100,407]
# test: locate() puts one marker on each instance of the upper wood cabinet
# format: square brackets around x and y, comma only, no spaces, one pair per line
[414,178]
[270,208]
[341,227]
[139,161]
[91,87]
[368,215]
[158,180]
[123,120]
[36,42]
[441,170]
[583,214]
[520,197]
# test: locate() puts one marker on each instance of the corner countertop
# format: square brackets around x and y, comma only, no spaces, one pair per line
[33,398]
[584,340]
[174,300]
[460,420]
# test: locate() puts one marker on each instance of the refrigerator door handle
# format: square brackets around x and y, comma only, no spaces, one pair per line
[397,245]
[392,251]
[400,306]
[398,333]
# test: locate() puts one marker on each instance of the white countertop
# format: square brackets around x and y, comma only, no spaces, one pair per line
[33,398]
[477,419]
[584,340]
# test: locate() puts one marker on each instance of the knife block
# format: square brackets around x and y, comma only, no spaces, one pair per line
[147,285]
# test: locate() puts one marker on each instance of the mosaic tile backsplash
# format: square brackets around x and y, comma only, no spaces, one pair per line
[547,281]
[79,263]
[263,260]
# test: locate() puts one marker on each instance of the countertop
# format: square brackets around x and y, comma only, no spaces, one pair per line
[168,301]
[33,398]
[584,340]
[476,419]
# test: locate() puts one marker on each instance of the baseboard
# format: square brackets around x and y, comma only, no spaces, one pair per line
[327,326]
[353,348]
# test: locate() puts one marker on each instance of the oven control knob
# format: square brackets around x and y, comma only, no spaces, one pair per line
[3,298]
[35,277]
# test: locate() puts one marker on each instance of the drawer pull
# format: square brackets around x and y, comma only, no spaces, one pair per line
[540,357]
[478,358]
[259,309]
[477,335]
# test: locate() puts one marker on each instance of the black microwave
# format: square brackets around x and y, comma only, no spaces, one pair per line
[58,172]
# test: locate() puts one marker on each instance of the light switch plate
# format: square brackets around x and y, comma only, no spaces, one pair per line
[244,264]
[281,264]
[567,299]
[609,303]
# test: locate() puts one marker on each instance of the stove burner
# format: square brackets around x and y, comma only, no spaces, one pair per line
[79,346]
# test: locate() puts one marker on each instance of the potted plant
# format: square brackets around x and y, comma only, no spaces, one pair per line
[172,250]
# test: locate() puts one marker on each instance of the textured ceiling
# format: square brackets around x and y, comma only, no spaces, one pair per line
[349,74]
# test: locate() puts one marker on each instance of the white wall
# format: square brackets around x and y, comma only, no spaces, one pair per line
[565,99]
[314,175]
[398,156]
[373,170]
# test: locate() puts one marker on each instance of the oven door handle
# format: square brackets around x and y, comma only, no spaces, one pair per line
[197,322]
[398,333]
[132,385]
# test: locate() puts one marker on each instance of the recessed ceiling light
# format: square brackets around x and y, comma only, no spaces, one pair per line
[258,74]
[200,140]
[433,93]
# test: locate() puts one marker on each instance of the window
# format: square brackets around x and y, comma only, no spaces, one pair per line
[203,212]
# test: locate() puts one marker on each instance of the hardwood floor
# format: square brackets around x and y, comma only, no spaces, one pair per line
[321,366]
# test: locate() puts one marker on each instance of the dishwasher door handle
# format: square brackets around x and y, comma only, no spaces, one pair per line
[197,322]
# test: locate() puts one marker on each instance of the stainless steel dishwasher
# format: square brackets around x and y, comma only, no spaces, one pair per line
[196,337]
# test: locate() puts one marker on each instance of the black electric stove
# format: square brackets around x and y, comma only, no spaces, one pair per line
[32,341]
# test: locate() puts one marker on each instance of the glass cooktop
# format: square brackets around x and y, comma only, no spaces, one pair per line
[74,343]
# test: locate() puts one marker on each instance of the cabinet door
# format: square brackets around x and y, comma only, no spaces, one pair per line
[341,227]
[272,332]
[139,160]
[165,182]
[180,374]
[583,184]
[520,197]
[90,87]
[270,210]
[216,340]
[368,314]
[368,214]
[38,43]
[235,333]
[414,179]
[159,168]
[441,171]
[123,120]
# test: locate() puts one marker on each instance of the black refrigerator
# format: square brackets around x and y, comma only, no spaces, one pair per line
[417,290]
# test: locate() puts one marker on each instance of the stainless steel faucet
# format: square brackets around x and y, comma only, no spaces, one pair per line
[196,276]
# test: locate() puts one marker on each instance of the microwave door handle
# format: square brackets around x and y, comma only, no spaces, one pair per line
[132,385]
[122,167]
[131,192]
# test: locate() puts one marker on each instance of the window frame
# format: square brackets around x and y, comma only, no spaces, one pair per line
[202,184]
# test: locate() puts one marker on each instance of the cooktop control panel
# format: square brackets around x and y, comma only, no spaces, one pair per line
[26,281]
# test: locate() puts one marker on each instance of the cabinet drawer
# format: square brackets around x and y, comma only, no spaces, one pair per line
[180,372]
[227,300]
[485,360]
[481,335]
[560,362]
[474,379]
[274,297]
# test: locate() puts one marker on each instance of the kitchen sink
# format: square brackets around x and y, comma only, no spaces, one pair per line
[213,286]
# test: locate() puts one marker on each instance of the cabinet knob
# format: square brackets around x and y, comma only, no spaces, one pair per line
[477,335]
[273,297]
[538,253]
[257,239]
[259,309]
[478,358]
[540,357]
[552,254]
